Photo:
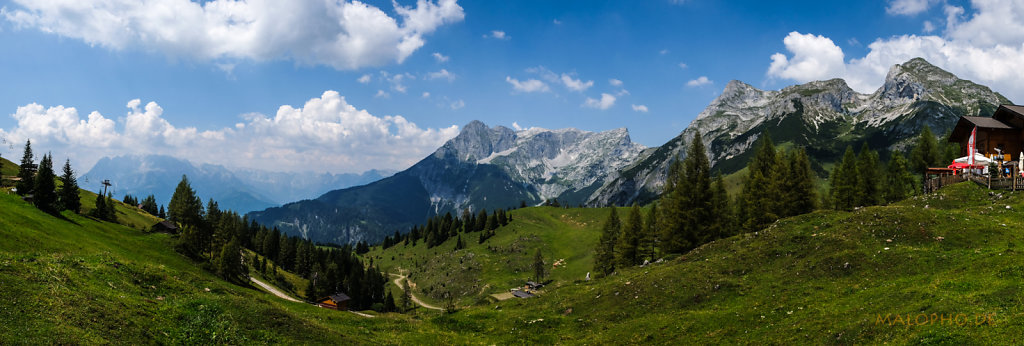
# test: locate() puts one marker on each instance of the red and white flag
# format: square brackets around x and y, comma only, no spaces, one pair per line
[970,147]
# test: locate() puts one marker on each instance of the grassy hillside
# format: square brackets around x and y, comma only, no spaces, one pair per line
[71,279]
[825,277]
[504,260]
[947,264]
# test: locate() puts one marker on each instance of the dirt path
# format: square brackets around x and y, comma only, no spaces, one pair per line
[398,282]
[273,290]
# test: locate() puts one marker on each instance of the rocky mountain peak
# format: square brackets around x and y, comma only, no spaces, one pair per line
[477,141]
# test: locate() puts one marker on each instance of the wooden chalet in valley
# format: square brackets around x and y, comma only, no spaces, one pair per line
[1003,131]
[164,227]
[337,301]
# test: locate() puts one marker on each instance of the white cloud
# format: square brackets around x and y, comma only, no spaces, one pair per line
[928,27]
[663,51]
[397,80]
[986,48]
[814,57]
[498,34]
[440,57]
[702,80]
[683,65]
[640,108]
[442,74]
[515,125]
[425,95]
[527,86]
[382,94]
[606,101]
[365,79]
[576,84]
[615,82]
[556,22]
[457,105]
[326,134]
[908,7]
[342,34]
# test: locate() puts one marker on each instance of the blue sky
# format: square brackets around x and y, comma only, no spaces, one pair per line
[348,86]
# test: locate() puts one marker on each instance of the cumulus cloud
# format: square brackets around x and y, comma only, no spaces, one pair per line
[365,79]
[615,82]
[527,86]
[640,108]
[498,34]
[425,95]
[325,134]
[440,57]
[442,74]
[702,80]
[814,57]
[987,48]
[576,84]
[908,7]
[606,101]
[457,105]
[683,65]
[342,34]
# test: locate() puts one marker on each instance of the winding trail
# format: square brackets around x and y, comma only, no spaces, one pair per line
[281,295]
[398,282]
[273,290]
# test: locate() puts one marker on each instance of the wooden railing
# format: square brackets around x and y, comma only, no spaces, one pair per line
[934,183]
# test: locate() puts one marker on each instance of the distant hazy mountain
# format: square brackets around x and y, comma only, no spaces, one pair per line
[481,168]
[240,190]
[822,116]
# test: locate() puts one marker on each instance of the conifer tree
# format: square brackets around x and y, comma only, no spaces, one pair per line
[843,181]
[649,240]
[185,207]
[760,193]
[111,208]
[672,210]
[538,266]
[406,295]
[389,302]
[927,152]
[698,200]
[27,171]
[69,198]
[45,191]
[604,258]
[868,177]
[796,184]
[100,212]
[899,181]
[162,214]
[311,294]
[722,222]
[229,263]
[629,239]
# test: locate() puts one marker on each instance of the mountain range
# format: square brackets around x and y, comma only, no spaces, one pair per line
[822,116]
[241,190]
[481,168]
[487,168]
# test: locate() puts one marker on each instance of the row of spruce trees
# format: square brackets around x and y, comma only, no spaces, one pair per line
[695,208]
[216,238]
[440,228]
[40,182]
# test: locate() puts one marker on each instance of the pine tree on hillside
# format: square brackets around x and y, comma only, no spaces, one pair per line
[161,214]
[185,208]
[722,223]
[100,211]
[698,200]
[926,153]
[760,190]
[899,181]
[796,184]
[406,295]
[843,181]
[69,197]
[45,192]
[229,263]
[869,192]
[649,240]
[538,266]
[604,258]
[672,211]
[389,302]
[27,171]
[111,208]
[628,242]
